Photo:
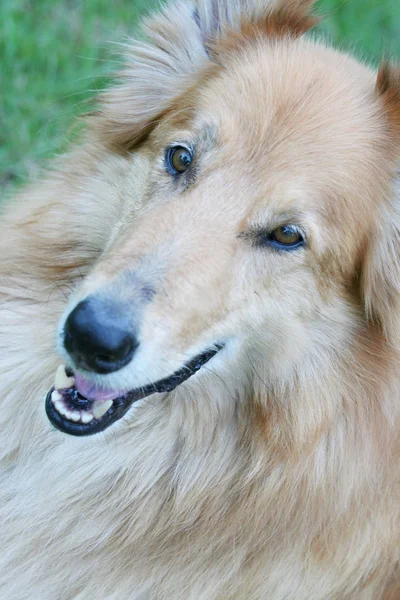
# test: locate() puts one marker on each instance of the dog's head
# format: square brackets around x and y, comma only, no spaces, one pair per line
[254,227]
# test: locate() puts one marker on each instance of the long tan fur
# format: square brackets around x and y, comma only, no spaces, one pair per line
[274,473]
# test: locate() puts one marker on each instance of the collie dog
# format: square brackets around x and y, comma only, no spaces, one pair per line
[199,326]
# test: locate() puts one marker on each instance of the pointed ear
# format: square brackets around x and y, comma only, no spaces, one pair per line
[381,269]
[290,17]
[274,18]
[178,51]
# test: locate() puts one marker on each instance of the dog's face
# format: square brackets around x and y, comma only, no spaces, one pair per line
[242,228]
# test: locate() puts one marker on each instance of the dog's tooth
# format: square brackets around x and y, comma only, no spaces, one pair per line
[100,409]
[70,415]
[62,381]
[61,408]
[59,405]
[86,417]
[55,396]
[75,416]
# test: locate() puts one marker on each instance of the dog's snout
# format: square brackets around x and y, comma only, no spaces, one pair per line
[98,337]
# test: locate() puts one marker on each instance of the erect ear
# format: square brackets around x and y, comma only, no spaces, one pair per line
[273,17]
[181,44]
[381,270]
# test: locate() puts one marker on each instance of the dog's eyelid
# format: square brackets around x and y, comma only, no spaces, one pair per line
[257,229]
[183,144]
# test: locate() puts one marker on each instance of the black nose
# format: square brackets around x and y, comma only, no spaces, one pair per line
[98,337]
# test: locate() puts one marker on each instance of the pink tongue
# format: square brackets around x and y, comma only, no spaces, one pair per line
[93,392]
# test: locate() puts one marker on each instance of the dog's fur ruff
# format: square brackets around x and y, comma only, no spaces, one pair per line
[274,473]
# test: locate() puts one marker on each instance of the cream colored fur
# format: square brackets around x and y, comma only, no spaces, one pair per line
[274,473]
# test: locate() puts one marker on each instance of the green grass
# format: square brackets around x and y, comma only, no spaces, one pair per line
[55,54]
[370,28]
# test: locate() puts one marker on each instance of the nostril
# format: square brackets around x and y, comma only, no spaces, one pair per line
[122,352]
[103,358]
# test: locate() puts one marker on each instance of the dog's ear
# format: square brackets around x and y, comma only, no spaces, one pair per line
[381,269]
[157,72]
[275,18]
[182,42]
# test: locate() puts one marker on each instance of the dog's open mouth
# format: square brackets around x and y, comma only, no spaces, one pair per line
[72,412]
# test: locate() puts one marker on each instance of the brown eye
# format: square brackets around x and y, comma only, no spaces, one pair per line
[179,159]
[287,236]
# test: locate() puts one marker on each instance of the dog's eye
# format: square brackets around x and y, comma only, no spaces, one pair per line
[286,237]
[179,159]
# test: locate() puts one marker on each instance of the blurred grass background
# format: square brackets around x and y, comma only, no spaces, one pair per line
[55,54]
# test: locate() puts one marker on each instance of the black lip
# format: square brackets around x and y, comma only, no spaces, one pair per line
[122,404]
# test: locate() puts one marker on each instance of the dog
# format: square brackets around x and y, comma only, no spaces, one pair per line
[199,326]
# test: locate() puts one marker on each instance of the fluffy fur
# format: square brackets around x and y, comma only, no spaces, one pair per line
[275,472]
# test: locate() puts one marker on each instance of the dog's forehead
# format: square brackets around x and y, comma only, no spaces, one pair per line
[303,121]
[297,87]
